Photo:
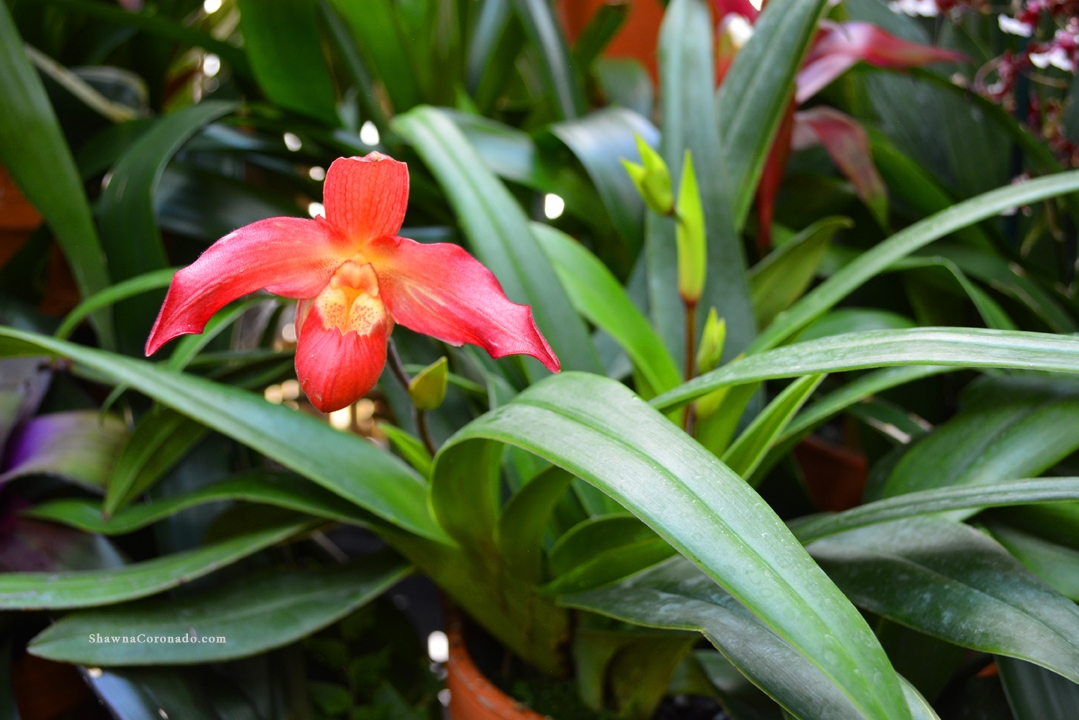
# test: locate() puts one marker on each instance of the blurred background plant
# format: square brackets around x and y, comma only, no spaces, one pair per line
[588,540]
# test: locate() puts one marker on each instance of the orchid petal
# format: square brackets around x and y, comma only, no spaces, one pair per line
[839,46]
[848,145]
[442,291]
[336,369]
[287,256]
[366,196]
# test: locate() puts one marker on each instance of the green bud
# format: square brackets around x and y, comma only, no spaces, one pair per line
[428,388]
[692,246]
[712,340]
[652,179]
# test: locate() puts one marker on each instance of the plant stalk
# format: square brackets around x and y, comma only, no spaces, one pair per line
[418,416]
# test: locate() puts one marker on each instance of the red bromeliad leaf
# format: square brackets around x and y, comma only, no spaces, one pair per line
[772,177]
[354,279]
[738,7]
[848,145]
[839,46]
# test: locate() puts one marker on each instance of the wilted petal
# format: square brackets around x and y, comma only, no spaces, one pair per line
[287,256]
[336,368]
[848,145]
[839,46]
[442,291]
[366,196]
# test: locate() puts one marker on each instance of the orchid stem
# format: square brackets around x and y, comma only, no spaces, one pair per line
[691,338]
[419,416]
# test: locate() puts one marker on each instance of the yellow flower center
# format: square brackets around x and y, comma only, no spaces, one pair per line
[350,301]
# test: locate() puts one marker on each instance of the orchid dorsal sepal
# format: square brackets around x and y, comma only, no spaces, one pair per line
[428,388]
[713,338]
[652,179]
[690,236]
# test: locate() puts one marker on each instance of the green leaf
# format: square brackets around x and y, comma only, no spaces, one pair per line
[152,22]
[1010,429]
[599,431]
[129,229]
[925,502]
[282,41]
[757,90]
[676,595]
[950,581]
[79,445]
[600,298]
[374,25]
[603,567]
[523,522]
[991,313]
[253,615]
[189,693]
[965,347]
[160,439]
[845,320]
[1037,694]
[427,389]
[280,490]
[410,447]
[600,140]
[1054,564]
[36,155]
[600,30]
[89,588]
[191,345]
[545,34]
[357,67]
[154,280]
[747,452]
[781,278]
[687,82]
[876,260]
[346,464]
[499,235]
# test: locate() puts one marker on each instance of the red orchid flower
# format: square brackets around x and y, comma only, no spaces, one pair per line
[836,48]
[354,278]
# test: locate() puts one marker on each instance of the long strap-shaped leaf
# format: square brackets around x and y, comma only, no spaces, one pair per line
[754,94]
[877,260]
[253,614]
[545,33]
[1013,492]
[88,588]
[34,151]
[343,463]
[600,431]
[499,234]
[957,347]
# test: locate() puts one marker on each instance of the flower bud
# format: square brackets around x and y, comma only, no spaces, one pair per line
[428,388]
[692,245]
[652,179]
[712,340]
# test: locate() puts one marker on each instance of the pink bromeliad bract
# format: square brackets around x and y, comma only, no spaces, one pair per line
[354,278]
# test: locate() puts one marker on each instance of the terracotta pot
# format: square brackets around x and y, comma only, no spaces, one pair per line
[473,696]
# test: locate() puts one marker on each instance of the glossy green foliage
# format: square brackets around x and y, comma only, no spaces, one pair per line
[756,91]
[89,588]
[252,614]
[599,431]
[1035,693]
[950,581]
[345,464]
[745,455]
[129,230]
[546,37]
[282,42]
[35,153]
[783,276]
[279,490]
[80,446]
